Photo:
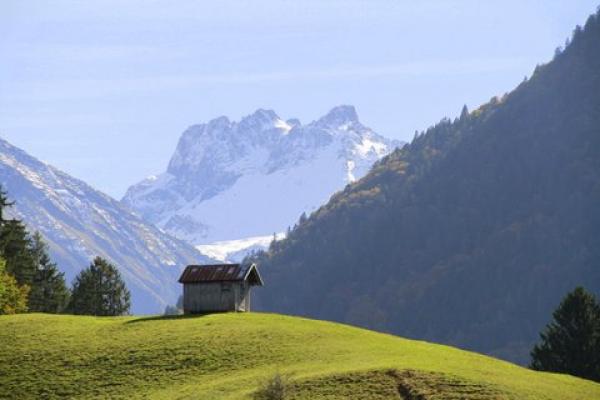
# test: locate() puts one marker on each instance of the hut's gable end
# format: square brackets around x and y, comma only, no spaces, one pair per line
[253,278]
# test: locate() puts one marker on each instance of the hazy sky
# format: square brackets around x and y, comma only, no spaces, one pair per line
[103,89]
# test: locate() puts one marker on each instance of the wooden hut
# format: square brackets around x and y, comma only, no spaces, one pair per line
[218,288]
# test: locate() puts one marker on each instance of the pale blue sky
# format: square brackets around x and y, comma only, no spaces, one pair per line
[103,89]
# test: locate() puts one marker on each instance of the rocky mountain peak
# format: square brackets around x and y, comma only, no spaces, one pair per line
[218,123]
[339,115]
[262,115]
[221,185]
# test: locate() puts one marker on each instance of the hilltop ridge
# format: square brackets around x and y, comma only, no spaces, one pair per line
[227,356]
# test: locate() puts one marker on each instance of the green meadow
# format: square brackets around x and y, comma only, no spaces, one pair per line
[227,356]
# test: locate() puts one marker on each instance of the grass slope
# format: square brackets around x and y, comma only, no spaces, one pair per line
[227,356]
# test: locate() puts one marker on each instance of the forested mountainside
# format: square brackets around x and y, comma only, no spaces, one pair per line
[471,234]
[80,223]
[240,181]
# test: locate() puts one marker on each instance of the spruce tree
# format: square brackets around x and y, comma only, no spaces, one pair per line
[179,303]
[4,203]
[100,290]
[15,247]
[464,114]
[571,342]
[49,292]
[28,262]
[303,218]
[177,309]
[171,310]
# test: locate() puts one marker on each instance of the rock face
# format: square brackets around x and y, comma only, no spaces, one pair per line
[80,223]
[248,179]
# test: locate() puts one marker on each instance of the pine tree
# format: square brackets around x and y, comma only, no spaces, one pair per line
[415,136]
[4,203]
[100,290]
[464,113]
[28,262]
[571,342]
[49,292]
[13,297]
[177,309]
[15,247]
[171,310]
[303,218]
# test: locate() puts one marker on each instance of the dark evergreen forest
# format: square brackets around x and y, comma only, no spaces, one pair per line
[471,234]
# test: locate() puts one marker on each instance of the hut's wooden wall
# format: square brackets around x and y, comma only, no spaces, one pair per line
[215,297]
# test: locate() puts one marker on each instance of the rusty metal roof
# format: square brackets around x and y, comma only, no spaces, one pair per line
[220,273]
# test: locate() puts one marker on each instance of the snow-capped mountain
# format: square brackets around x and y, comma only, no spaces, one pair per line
[229,182]
[80,223]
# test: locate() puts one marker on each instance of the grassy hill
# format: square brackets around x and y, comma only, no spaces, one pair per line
[227,356]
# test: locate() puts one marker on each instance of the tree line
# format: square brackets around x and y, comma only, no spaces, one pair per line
[31,282]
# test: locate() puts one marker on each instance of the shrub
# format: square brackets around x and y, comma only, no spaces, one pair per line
[274,388]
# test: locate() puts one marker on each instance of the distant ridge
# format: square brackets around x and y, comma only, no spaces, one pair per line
[80,223]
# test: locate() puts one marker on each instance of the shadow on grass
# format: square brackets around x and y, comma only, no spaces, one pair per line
[166,318]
